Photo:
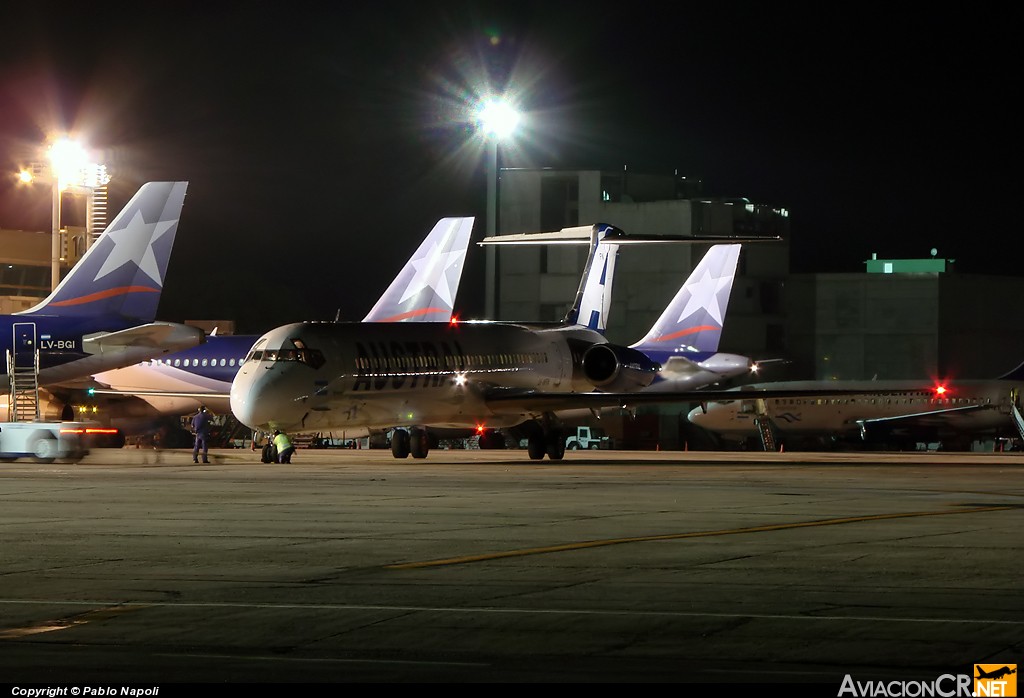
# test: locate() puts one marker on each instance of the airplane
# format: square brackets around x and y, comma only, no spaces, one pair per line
[355,378]
[101,315]
[995,674]
[894,412]
[424,289]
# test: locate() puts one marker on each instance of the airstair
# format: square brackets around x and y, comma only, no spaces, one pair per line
[1015,414]
[23,398]
[765,427]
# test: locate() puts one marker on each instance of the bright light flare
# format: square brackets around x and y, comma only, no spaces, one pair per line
[497,118]
[460,379]
[71,165]
[67,158]
[25,177]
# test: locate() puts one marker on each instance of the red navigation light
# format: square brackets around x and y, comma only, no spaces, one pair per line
[480,428]
[940,391]
[454,320]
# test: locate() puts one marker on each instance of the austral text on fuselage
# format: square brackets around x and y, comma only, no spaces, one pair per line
[390,364]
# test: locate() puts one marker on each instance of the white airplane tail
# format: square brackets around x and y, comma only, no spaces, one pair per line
[425,289]
[594,298]
[695,316]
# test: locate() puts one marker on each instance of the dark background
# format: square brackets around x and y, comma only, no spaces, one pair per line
[322,141]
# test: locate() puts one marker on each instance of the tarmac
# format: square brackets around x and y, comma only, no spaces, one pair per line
[138,567]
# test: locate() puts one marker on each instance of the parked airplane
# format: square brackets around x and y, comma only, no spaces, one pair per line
[424,289]
[892,412]
[354,378]
[101,315]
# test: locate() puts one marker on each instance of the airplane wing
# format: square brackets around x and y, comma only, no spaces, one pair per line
[923,418]
[112,350]
[514,401]
[160,393]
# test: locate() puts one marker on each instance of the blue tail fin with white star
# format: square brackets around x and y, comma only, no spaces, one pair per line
[694,318]
[122,275]
[425,289]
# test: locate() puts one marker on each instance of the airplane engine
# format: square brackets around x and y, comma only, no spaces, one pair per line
[51,409]
[613,368]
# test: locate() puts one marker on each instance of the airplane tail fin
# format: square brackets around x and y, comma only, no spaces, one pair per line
[122,274]
[425,288]
[594,297]
[695,316]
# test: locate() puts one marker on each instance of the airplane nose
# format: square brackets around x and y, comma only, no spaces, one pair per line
[248,402]
[697,415]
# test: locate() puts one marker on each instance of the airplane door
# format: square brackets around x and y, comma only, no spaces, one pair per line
[24,343]
[563,364]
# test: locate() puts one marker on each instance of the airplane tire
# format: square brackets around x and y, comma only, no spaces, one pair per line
[400,443]
[535,447]
[556,445]
[419,444]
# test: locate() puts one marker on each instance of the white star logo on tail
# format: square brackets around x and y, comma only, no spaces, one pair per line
[704,295]
[431,272]
[134,243]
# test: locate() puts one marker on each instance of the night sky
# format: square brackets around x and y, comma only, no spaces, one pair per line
[321,142]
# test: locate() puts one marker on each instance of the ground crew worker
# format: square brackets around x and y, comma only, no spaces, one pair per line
[284,447]
[201,423]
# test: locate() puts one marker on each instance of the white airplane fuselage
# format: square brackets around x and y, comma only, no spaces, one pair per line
[353,376]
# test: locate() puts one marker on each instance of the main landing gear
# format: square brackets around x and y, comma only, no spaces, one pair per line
[545,439]
[415,442]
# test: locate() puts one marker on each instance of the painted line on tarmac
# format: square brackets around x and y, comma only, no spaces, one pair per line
[639,613]
[582,545]
[49,626]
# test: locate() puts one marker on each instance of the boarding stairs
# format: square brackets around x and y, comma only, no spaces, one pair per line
[23,398]
[1018,419]
[765,427]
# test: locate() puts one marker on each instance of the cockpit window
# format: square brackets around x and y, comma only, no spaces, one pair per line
[256,353]
[293,350]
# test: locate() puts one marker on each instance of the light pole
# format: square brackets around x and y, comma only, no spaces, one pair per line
[69,168]
[497,121]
